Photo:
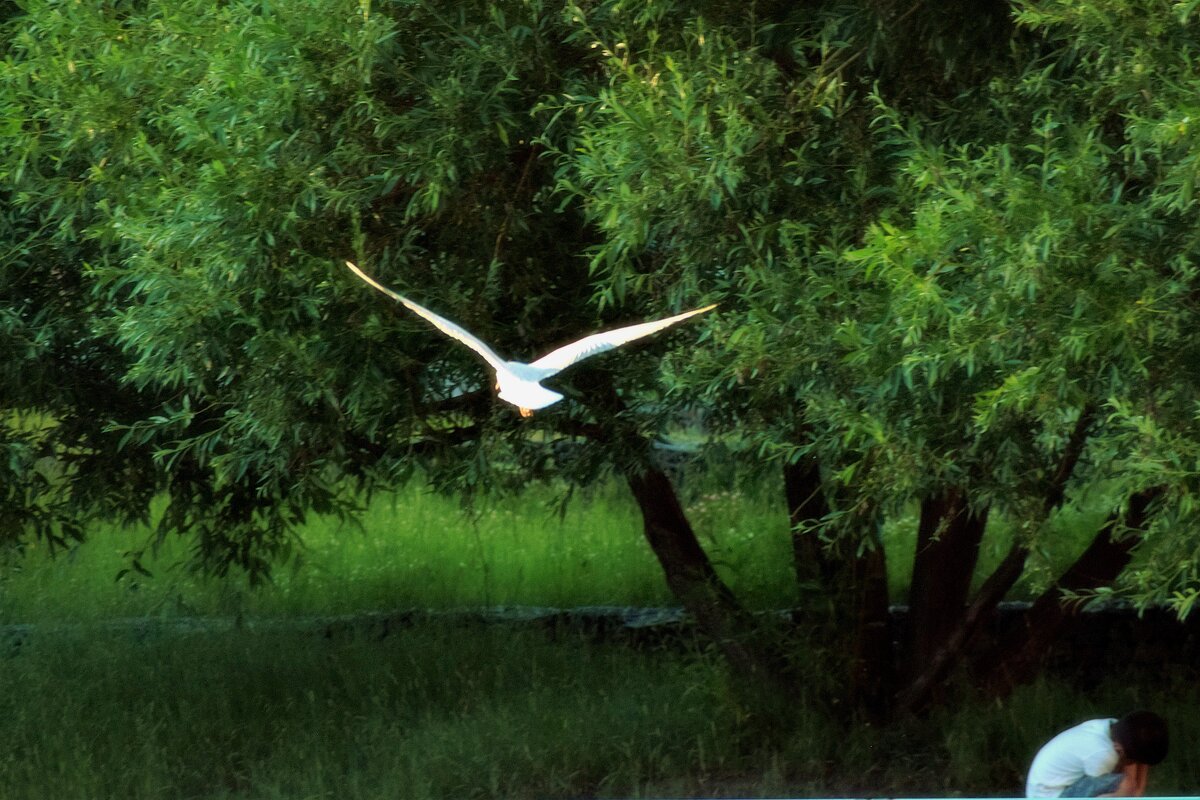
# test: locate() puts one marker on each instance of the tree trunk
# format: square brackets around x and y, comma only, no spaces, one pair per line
[919,690]
[1099,565]
[854,583]
[872,676]
[807,506]
[948,538]
[759,667]
[690,575]
[921,686]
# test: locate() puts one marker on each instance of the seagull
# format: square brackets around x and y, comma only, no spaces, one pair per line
[520,383]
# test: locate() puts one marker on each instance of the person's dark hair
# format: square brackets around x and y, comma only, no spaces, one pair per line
[1143,735]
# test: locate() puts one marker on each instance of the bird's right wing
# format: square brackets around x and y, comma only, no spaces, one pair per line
[441,323]
[575,352]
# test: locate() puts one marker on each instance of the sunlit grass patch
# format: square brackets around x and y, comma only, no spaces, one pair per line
[413,548]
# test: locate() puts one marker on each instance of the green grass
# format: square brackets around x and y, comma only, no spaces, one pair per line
[474,712]
[417,549]
[460,711]
[453,712]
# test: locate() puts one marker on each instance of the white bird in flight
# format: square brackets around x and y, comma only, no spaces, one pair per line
[520,383]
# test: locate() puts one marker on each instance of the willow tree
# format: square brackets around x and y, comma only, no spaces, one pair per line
[186,180]
[951,274]
[955,276]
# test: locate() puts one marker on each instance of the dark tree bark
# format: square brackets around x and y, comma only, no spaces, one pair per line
[855,583]
[917,694]
[919,690]
[807,506]
[757,663]
[948,538]
[872,676]
[1020,654]
[690,575]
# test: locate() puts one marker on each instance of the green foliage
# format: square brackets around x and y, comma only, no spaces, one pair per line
[198,171]
[921,296]
[924,299]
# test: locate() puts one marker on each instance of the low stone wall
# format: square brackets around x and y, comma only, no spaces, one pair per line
[1097,640]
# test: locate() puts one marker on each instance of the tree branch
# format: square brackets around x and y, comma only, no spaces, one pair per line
[1002,579]
[1098,565]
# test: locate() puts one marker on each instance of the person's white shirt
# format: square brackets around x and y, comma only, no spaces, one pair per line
[1086,749]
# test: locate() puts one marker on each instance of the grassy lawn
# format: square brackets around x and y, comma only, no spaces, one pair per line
[475,712]
[458,711]
[418,549]
[429,713]
[415,549]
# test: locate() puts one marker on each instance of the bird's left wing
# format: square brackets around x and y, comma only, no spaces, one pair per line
[575,352]
[441,323]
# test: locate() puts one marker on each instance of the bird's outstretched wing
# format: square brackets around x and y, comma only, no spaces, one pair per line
[575,352]
[441,323]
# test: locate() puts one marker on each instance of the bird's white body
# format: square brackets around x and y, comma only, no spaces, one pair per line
[520,383]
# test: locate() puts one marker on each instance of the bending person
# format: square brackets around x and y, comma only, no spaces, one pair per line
[1100,758]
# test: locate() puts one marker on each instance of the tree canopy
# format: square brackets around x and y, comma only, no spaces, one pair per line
[954,246]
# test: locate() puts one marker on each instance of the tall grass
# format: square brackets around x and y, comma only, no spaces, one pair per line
[451,712]
[458,711]
[414,548]
[474,712]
